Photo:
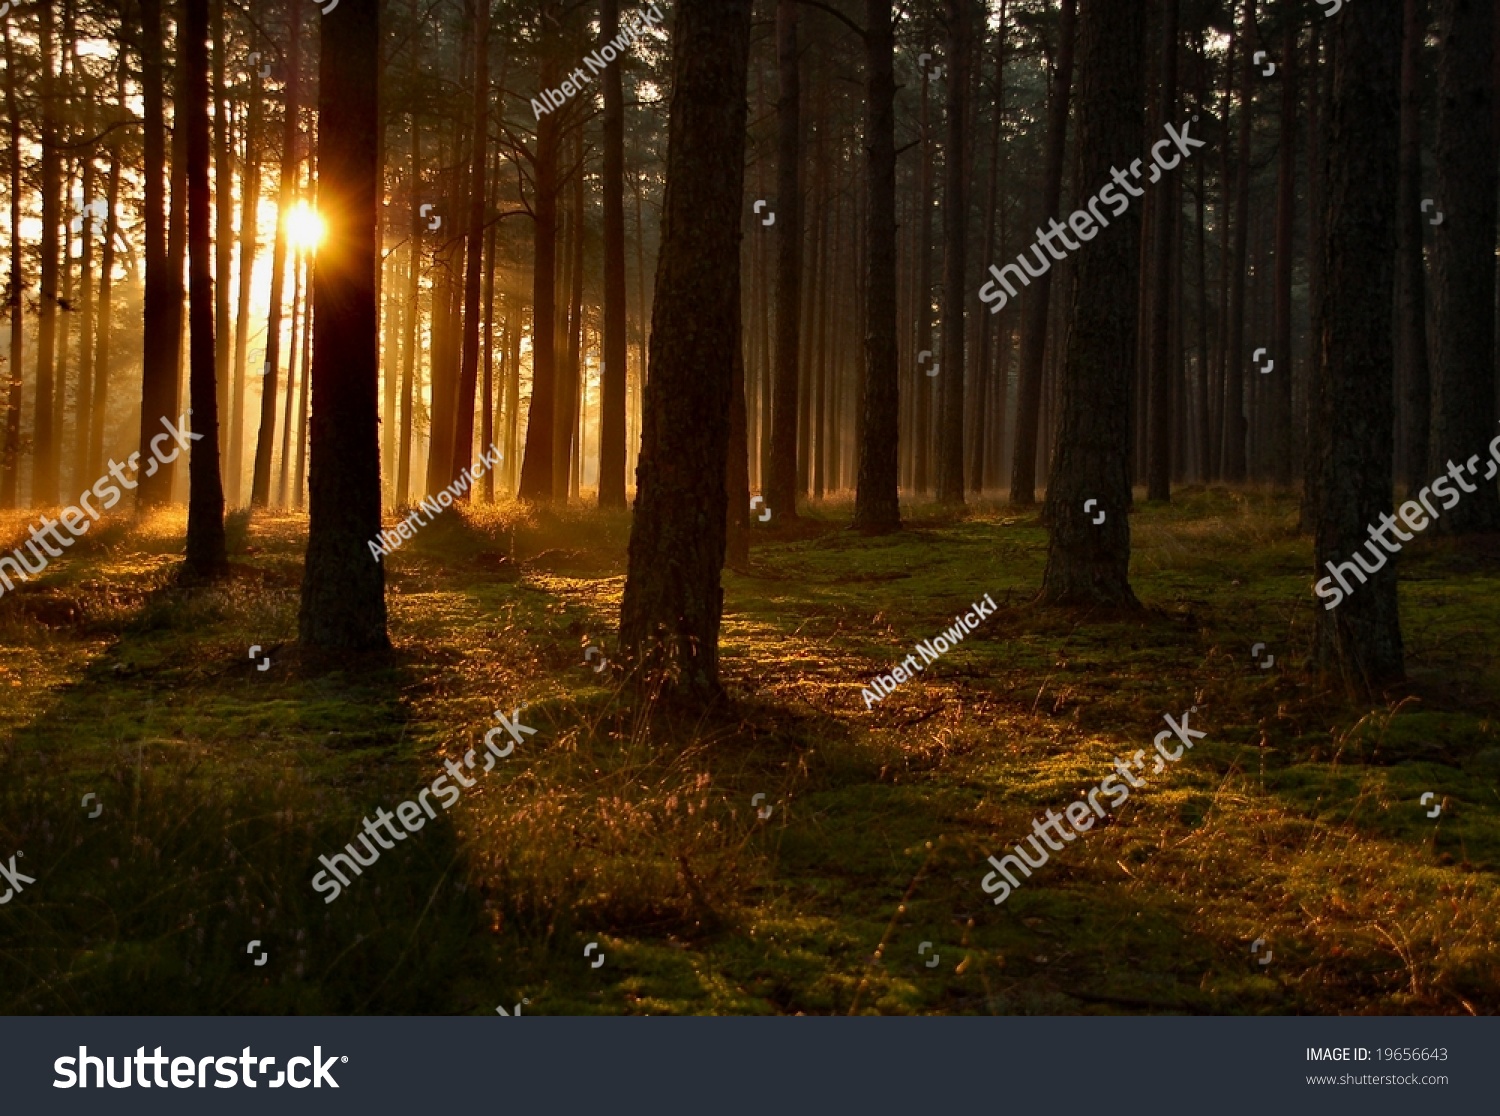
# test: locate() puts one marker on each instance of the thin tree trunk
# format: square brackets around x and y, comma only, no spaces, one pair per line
[950,459]
[877,505]
[260,491]
[1235,427]
[1463,281]
[15,293]
[613,376]
[1038,297]
[1411,268]
[781,491]
[463,436]
[1163,197]
[44,479]
[1280,377]
[206,556]
[249,234]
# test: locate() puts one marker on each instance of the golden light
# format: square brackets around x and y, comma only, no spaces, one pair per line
[304,228]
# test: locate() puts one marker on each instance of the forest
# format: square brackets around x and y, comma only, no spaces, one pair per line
[719,473]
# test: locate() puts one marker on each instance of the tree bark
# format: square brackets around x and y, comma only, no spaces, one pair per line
[612,388]
[343,590]
[877,504]
[1411,267]
[1235,427]
[1038,296]
[781,491]
[1463,367]
[206,556]
[669,622]
[1159,414]
[260,489]
[950,463]
[463,430]
[1280,377]
[15,292]
[1361,637]
[1088,563]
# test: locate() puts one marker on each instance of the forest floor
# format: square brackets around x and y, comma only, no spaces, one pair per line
[1298,819]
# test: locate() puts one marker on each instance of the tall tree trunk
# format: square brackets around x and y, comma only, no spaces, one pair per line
[260,490]
[1088,562]
[89,228]
[1320,111]
[1361,637]
[1411,267]
[15,292]
[223,214]
[413,322]
[669,621]
[564,441]
[921,409]
[249,234]
[1163,222]
[463,436]
[102,355]
[781,491]
[536,470]
[1205,354]
[877,505]
[950,462]
[1235,427]
[304,392]
[1463,281]
[1280,377]
[1038,296]
[300,319]
[343,591]
[44,479]
[206,557]
[612,388]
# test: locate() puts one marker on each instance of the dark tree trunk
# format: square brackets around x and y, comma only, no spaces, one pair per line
[1088,563]
[15,292]
[223,215]
[921,396]
[260,488]
[781,490]
[1163,197]
[463,425]
[536,470]
[1038,296]
[413,322]
[669,621]
[737,474]
[565,443]
[1361,637]
[1320,111]
[102,355]
[1280,376]
[612,377]
[206,557]
[1411,267]
[950,463]
[1463,367]
[343,590]
[877,505]
[44,478]
[249,234]
[1235,427]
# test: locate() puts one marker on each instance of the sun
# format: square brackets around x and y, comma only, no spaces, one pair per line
[304,228]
